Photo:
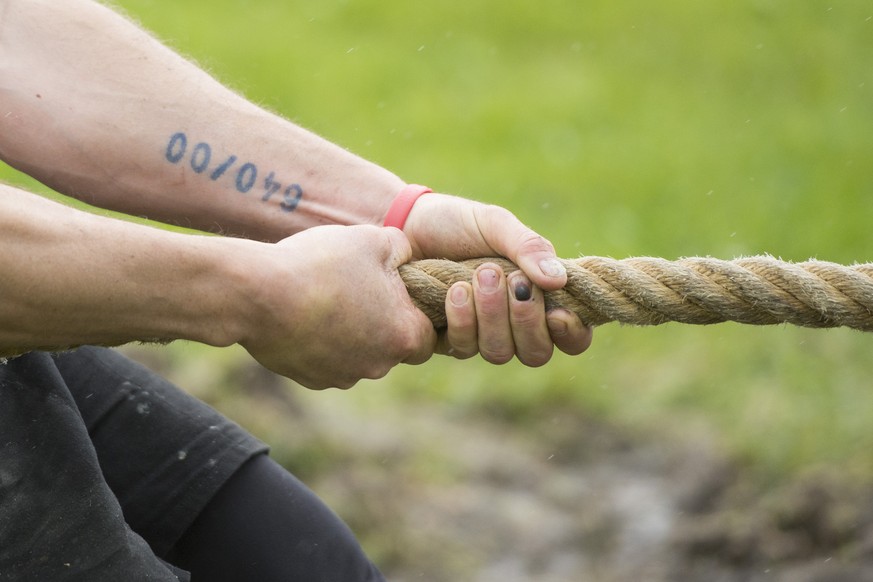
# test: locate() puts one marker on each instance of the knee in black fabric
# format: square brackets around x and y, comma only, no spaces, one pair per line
[265,525]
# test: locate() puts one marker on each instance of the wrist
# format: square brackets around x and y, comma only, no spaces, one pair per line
[402,205]
[231,284]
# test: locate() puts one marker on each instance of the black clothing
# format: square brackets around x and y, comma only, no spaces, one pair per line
[105,466]
[265,525]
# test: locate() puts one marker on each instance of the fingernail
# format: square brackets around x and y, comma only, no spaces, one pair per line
[552,268]
[458,295]
[522,290]
[488,280]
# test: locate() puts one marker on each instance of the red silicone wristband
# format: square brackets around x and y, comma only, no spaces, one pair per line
[402,205]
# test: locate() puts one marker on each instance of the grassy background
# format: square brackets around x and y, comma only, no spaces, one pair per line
[627,128]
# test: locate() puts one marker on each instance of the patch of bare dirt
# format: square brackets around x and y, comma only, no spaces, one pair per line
[439,494]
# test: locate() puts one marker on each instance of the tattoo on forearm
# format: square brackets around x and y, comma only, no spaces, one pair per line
[243,177]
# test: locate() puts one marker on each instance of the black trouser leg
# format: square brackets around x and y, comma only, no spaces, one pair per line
[59,520]
[265,525]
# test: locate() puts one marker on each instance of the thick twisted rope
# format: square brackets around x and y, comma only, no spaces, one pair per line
[651,291]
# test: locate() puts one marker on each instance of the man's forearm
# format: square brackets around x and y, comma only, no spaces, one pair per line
[98,109]
[71,277]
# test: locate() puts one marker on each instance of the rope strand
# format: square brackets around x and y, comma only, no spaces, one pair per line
[758,290]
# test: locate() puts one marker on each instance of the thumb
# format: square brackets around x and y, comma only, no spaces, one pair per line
[534,254]
[398,250]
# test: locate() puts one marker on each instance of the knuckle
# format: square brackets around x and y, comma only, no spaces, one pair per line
[462,343]
[528,315]
[408,341]
[491,306]
[377,371]
[376,366]
[496,356]
[342,383]
[461,319]
[536,357]
[531,242]
[462,352]
[495,213]
[346,384]
[523,319]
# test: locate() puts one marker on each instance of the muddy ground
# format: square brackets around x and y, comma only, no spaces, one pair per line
[438,494]
[581,501]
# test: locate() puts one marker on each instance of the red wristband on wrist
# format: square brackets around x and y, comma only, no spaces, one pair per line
[402,205]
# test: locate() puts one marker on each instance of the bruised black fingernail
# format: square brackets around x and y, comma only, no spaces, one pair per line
[522,291]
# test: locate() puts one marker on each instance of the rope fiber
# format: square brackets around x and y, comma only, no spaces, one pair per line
[757,290]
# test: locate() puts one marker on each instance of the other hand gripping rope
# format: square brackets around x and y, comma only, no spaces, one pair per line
[757,290]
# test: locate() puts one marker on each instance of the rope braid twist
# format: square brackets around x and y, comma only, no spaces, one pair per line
[758,290]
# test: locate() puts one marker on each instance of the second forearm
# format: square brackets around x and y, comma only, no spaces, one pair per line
[72,278]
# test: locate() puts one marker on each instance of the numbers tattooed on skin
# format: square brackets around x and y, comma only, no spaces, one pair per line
[244,177]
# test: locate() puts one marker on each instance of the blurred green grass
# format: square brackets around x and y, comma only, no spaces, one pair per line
[668,129]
